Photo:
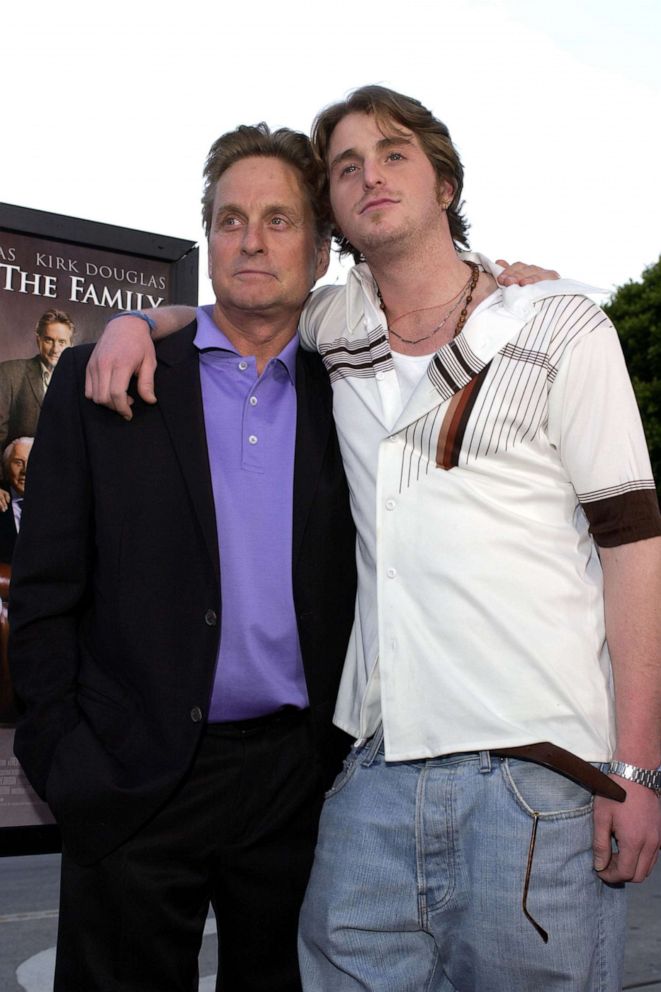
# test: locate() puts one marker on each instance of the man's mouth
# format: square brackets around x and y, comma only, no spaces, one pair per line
[254,272]
[382,201]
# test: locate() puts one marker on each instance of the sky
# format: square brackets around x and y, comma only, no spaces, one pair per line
[108,110]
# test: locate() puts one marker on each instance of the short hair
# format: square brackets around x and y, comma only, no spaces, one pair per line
[9,451]
[54,317]
[291,147]
[391,109]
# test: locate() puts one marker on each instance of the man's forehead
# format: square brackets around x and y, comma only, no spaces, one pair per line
[56,330]
[369,128]
[259,179]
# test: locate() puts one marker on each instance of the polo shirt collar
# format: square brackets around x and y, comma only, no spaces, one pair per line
[210,337]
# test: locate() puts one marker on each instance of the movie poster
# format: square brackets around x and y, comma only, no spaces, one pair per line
[60,280]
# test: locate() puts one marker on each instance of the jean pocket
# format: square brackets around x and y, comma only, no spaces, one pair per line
[540,790]
[348,768]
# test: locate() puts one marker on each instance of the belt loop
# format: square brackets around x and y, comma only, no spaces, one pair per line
[485,762]
[372,747]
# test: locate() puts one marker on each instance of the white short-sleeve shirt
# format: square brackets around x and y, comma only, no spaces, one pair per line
[479,504]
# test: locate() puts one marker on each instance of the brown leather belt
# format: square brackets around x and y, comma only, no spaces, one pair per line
[565,763]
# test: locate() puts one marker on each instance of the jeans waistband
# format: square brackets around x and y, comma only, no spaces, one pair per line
[542,753]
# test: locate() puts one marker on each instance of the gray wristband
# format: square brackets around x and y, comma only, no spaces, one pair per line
[150,322]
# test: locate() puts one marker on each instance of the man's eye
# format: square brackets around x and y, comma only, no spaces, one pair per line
[278,221]
[348,169]
[229,221]
[395,156]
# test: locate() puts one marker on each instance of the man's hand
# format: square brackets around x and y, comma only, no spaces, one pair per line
[636,826]
[520,274]
[4,500]
[125,349]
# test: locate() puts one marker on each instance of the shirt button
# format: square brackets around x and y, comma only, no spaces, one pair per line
[211,618]
[196,714]
[390,504]
[253,401]
[252,439]
[391,573]
[243,366]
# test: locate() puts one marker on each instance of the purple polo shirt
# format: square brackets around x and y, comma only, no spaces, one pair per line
[250,424]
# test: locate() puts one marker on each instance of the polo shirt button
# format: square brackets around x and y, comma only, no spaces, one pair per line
[253,401]
[391,573]
[243,366]
[211,618]
[196,714]
[252,439]
[390,504]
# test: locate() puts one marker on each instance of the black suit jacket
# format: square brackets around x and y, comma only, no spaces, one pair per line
[114,598]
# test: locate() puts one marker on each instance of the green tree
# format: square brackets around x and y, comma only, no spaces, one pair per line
[635,309]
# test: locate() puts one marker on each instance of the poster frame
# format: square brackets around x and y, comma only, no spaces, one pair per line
[182,257]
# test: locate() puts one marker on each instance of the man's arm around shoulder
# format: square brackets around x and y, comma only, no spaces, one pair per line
[126,349]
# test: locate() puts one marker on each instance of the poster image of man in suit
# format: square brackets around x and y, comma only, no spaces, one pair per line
[14,467]
[14,464]
[24,381]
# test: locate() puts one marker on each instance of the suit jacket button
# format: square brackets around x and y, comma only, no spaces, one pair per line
[196,714]
[211,618]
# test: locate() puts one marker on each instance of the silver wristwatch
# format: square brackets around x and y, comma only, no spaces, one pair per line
[649,777]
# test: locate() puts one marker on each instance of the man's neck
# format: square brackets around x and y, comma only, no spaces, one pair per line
[256,333]
[409,280]
[428,296]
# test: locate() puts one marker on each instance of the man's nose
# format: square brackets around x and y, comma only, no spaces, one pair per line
[372,174]
[253,239]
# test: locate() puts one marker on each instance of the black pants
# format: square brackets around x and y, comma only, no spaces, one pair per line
[239,833]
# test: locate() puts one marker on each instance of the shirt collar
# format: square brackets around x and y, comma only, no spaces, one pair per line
[363,306]
[209,335]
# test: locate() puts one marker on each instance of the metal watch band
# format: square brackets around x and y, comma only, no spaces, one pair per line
[649,777]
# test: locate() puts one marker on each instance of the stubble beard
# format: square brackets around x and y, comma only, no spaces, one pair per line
[387,246]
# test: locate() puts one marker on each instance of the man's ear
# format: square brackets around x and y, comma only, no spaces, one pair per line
[445,193]
[323,259]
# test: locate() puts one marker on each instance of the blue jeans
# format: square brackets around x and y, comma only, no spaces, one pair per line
[418,880]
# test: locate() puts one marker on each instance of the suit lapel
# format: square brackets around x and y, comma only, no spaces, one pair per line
[180,399]
[35,379]
[313,424]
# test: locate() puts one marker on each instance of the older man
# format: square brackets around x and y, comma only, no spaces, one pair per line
[507,629]
[24,381]
[14,468]
[179,625]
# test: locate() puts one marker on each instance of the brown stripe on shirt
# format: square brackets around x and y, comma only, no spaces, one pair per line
[453,428]
[624,518]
